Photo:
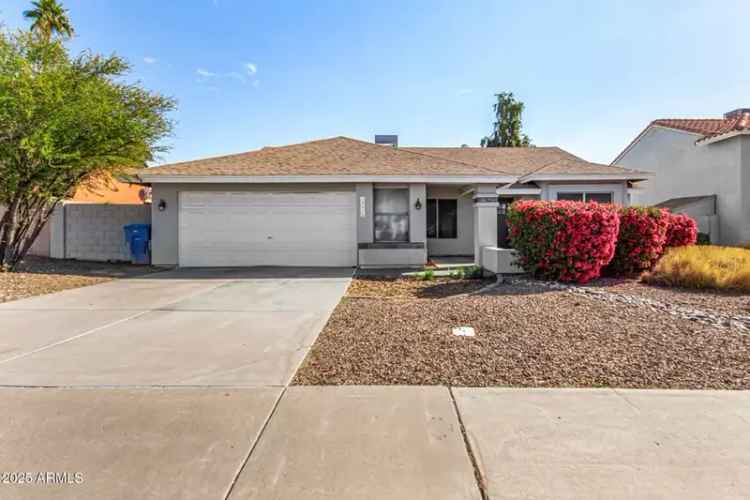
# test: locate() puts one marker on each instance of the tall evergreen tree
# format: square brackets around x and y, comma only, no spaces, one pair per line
[507,126]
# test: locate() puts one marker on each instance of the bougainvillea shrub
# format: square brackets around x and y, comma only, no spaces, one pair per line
[681,231]
[563,240]
[643,235]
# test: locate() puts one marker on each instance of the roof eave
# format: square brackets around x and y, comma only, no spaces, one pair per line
[429,179]
[333,179]
[625,176]
[721,137]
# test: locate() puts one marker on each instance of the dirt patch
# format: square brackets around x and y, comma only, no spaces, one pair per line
[412,288]
[525,337]
[39,276]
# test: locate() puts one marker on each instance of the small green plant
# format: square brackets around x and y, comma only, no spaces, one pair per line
[473,272]
[704,239]
[426,275]
[470,272]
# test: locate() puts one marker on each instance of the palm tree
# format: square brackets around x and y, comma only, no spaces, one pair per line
[48,18]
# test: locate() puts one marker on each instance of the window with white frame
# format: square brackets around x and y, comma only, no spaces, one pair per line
[586,196]
[391,214]
[442,218]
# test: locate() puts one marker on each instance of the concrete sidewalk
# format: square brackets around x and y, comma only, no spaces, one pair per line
[616,444]
[379,442]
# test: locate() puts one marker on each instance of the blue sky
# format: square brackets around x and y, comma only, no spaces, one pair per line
[592,74]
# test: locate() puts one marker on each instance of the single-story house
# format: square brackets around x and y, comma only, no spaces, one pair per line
[346,202]
[702,168]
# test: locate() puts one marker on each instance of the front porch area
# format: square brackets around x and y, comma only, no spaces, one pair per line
[441,225]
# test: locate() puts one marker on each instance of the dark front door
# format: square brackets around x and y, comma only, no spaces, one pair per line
[502,222]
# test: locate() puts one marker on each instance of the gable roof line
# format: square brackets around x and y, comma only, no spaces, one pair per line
[407,150]
[328,139]
[344,156]
[638,137]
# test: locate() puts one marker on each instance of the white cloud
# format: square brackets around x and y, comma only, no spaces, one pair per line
[149,60]
[205,75]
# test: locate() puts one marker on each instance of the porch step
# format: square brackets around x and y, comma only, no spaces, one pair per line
[450,263]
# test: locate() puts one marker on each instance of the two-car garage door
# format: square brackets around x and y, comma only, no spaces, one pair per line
[267,229]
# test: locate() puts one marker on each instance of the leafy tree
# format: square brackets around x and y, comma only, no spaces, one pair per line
[65,121]
[49,17]
[507,127]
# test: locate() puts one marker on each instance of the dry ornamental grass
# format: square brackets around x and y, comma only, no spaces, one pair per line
[721,268]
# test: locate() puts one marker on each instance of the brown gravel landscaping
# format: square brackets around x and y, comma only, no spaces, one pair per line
[398,331]
[736,303]
[39,276]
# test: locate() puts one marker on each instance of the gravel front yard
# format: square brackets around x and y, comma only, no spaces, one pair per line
[735,303]
[39,276]
[399,332]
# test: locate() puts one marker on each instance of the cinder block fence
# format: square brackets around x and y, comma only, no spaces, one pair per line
[89,231]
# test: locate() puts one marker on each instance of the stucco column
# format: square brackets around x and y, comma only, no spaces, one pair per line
[485,219]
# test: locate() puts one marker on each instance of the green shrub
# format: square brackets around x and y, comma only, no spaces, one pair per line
[470,272]
[426,275]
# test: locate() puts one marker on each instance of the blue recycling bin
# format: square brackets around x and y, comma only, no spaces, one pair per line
[138,237]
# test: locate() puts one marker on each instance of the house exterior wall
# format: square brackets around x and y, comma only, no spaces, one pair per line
[365,224]
[619,190]
[165,224]
[744,216]
[463,244]
[683,168]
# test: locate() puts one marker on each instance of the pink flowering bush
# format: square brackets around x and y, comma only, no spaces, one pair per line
[681,231]
[563,240]
[642,239]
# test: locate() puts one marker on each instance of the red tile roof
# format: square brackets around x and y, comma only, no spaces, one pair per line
[709,127]
[733,121]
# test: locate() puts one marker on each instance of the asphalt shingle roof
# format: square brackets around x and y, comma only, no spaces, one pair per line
[344,156]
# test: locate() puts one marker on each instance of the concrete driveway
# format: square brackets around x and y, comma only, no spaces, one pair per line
[155,387]
[184,327]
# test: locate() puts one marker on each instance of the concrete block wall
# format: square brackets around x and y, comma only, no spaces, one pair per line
[93,231]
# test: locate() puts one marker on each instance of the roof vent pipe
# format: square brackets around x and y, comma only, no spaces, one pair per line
[387,140]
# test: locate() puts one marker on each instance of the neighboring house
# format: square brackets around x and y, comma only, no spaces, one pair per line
[112,190]
[345,202]
[701,167]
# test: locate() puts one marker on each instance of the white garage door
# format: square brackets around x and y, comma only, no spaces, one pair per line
[267,229]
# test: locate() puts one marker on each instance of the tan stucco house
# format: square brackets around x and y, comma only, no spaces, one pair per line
[346,202]
[702,169]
